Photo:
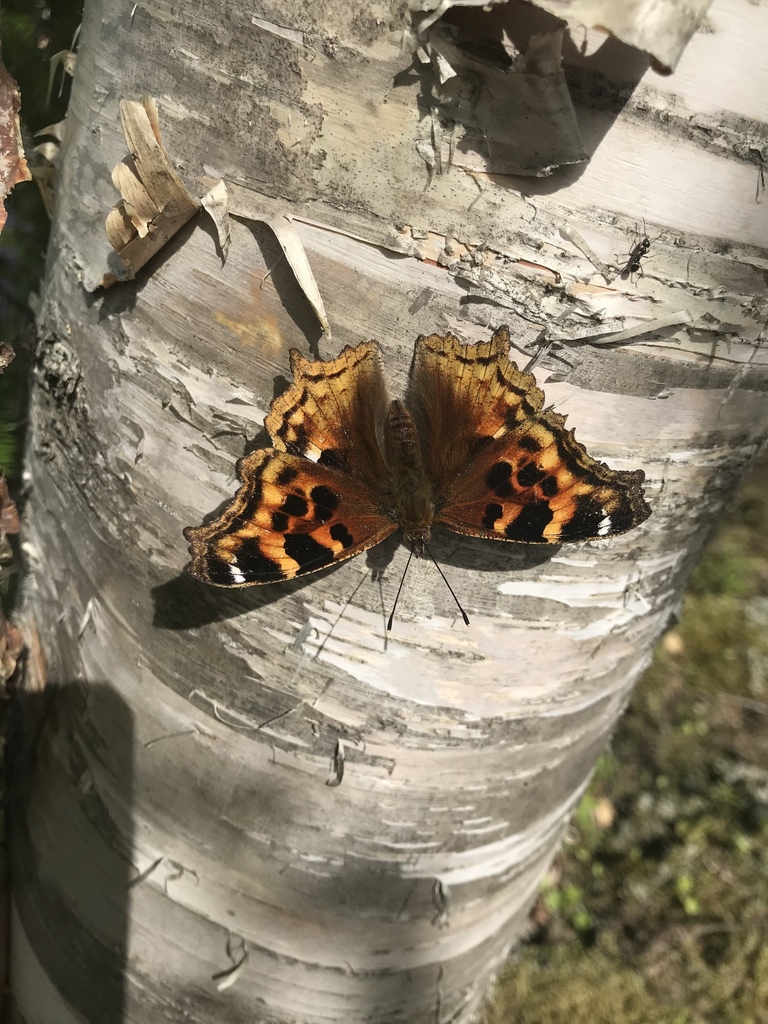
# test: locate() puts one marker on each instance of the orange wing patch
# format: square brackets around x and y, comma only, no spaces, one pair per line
[537,484]
[289,517]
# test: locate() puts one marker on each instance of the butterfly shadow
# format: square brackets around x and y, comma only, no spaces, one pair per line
[483,555]
[186,603]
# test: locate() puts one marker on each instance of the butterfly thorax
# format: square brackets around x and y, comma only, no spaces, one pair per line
[410,488]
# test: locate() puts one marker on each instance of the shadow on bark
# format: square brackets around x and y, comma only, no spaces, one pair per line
[185,603]
[68,808]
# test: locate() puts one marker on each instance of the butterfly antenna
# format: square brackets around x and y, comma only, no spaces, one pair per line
[458,605]
[397,595]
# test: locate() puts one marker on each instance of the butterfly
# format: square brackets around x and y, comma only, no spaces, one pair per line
[471,448]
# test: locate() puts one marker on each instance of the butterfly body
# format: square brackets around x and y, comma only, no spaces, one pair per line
[470,448]
[413,508]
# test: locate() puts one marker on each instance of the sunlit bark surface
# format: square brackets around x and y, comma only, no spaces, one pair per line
[189,847]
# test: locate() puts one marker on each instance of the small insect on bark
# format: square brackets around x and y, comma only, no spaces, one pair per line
[639,252]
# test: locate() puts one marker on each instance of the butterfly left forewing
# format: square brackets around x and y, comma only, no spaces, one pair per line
[538,484]
[334,410]
[462,396]
[290,517]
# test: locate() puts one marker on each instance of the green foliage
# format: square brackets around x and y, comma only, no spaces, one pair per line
[662,914]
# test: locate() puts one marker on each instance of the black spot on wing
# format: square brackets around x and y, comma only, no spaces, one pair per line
[529,443]
[294,505]
[340,533]
[587,518]
[279,522]
[530,524]
[497,479]
[325,502]
[251,567]
[530,475]
[492,513]
[306,551]
[286,476]
[549,487]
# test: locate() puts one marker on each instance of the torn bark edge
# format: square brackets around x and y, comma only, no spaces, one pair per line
[660,28]
[14,164]
[155,204]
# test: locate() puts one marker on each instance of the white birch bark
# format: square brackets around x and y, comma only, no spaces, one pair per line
[179,854]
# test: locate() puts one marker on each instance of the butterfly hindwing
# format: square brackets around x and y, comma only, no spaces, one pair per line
[290,517]
[537,484]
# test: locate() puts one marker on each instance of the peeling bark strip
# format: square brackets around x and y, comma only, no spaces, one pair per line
[195,731]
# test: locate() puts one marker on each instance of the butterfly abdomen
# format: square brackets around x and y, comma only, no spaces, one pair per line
[410,486]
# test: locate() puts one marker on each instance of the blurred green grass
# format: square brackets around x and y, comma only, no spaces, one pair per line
[657,909]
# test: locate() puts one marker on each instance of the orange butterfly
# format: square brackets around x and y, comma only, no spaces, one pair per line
[469,449]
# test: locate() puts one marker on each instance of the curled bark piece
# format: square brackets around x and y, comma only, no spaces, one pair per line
[290,243]
[216,204]
[662,28]
[155,203]
[484,118]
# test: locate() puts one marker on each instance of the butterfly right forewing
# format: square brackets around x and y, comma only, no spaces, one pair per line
[463,396]
[500,466]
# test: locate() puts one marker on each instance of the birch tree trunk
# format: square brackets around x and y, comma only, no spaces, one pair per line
[254,805]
